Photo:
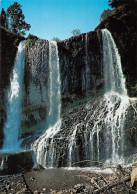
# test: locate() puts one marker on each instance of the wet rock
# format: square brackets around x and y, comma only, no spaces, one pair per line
[38,167]
[36,192]
[15,162]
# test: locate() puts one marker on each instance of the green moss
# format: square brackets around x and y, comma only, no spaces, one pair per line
[24,130]
[84,100]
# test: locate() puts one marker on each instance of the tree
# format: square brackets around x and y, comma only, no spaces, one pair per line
[55,39]
[3,19]
[17,19]
[116,3]
[76,32]
[105,14]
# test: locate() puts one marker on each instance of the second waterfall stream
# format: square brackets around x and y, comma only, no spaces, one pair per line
[43,146]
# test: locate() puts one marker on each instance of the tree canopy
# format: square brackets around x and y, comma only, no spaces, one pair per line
[3,19]
[55,39]
[116,3]
[16,17]
[76,32]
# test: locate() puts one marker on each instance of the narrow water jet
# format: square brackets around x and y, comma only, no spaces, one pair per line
[87,65]
[14,104]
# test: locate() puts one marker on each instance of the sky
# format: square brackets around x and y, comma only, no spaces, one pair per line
[57,18]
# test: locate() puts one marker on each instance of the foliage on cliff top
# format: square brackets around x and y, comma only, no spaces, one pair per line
[105,14]
[116,3]
[55,39]
[76,32]
[31,40]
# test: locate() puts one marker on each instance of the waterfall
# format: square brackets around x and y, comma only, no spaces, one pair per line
[54,84]
[87,65]
[97,134]
[105,121]
[114,79]
[86,71]
[115,100]
[106,137]
[43,146]
[15,95]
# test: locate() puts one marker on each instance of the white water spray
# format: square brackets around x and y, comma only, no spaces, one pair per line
[108,117]
[116,99]
[43,146]
[114,78]
[13,121]
[54,85]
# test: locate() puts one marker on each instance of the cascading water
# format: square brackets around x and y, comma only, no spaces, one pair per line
[87,65]
[114,79]
[43,146]
[15,95]
[103,136]
[96,131]
[54,84]
[111,111]
[86,71]
[115,90]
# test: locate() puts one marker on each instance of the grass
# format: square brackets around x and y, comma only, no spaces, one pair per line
[84,100]
[30,130]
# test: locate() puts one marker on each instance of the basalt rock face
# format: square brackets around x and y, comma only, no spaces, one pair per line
[12,163]
[123,26]
[73,144]
[35,100]
[75,54]
[8,48]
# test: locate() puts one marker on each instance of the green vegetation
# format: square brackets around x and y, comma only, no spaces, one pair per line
[3,19]
[24,131]
[84,100]
[31,40]
[76,32]
[55,39]
[116,3]
[105,14]
[14,19]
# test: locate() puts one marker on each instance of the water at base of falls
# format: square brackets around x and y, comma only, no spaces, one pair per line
[12,125]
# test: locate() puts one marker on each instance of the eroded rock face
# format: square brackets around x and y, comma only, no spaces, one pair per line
[80,61]
[75,54]
[91,132]
[35,101]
